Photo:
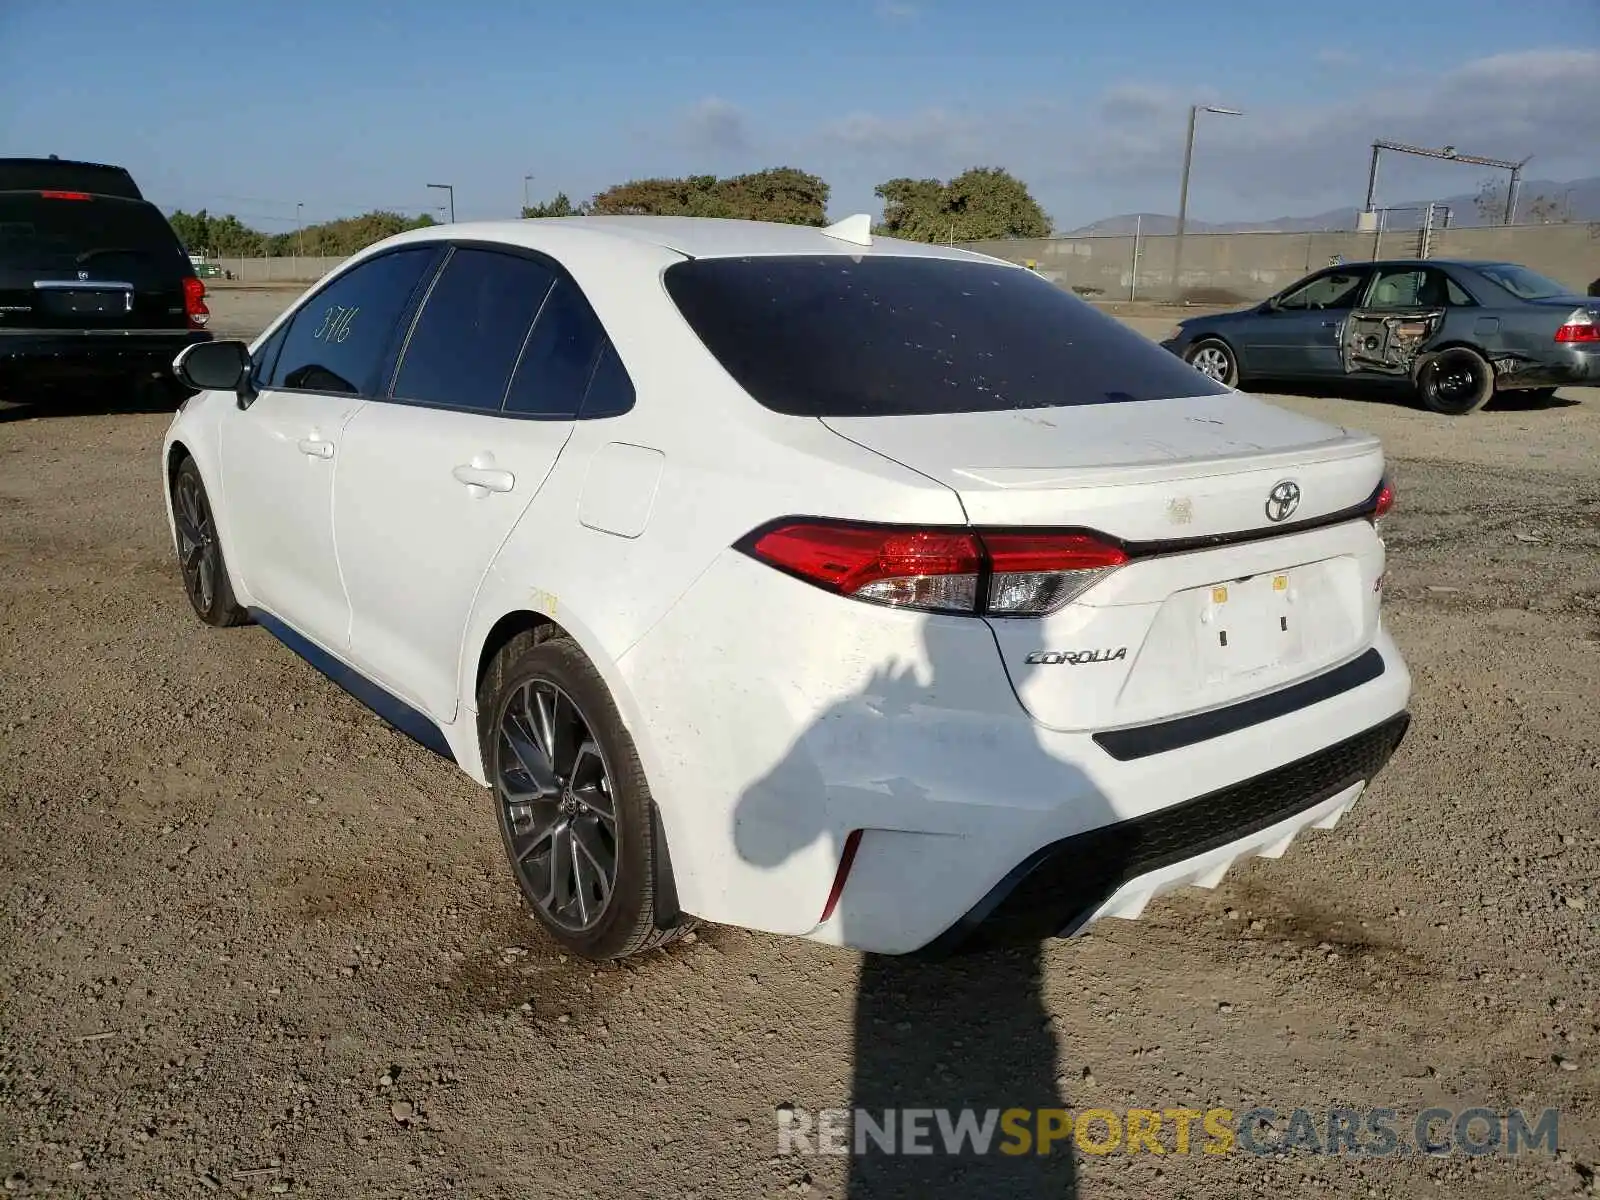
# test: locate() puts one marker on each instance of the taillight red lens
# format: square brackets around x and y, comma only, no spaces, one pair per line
[1051,552]
[1580,326]
[1034,574]
[194,303]
[912,568]
[942,570]
[1385,500]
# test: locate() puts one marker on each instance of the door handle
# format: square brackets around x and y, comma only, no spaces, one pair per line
[316,447]
[484,477]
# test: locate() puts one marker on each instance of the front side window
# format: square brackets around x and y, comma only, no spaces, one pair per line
[836,336]
[471,331]
[1338,289]
[341,336]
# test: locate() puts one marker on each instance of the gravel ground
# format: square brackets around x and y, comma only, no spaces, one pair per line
[253,942]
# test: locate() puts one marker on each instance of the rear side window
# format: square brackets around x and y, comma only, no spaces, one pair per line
[473,325]
[340,338]
[50,238]
[560,359]
[831,336]
[610,391]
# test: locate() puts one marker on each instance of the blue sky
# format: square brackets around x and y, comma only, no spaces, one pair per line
[344,105]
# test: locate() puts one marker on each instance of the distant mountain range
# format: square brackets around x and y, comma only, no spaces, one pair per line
[1576,200]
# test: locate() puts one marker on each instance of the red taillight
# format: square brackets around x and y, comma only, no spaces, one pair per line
[942,570]
[1580,326]
[1385,500]
[66,195]
[194,303]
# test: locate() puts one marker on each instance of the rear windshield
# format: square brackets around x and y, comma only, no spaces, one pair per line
[832,336]
[1520,281]
[102,236]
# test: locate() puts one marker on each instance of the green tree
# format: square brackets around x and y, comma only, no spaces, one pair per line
[343,237]
[979,204]
[561,206]
[784,194]
[201,233]
[191,229]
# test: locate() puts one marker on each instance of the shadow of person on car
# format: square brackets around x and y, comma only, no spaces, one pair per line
[967,1033]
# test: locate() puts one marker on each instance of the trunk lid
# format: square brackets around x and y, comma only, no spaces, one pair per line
[1221,598]
[79,262]
[1155,470]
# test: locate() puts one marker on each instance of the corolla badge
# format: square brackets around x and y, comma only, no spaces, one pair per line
[1283,500]
[1053,658]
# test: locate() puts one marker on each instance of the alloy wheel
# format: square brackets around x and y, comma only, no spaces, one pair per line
[555,791]
[1211,362]
[197,542]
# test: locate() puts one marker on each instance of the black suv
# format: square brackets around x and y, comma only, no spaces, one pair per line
[95,288]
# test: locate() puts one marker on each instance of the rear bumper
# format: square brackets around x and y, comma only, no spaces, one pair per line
[49,356]
[1570,368]
[1115,870]
[900,737]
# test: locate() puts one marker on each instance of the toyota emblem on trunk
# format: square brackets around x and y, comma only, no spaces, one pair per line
[82,275]
[1283,500]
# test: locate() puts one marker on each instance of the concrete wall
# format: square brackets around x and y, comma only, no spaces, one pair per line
[1228,267]
[1217,267]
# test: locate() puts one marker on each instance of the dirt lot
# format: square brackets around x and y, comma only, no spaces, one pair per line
[254,942]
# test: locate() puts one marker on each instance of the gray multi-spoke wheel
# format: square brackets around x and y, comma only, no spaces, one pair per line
[1214,360]
[575,812]
[555,788]
[205,571]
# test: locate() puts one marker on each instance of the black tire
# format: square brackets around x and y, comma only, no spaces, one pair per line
[538,817]
[1214,359]
[1455,382]
[200,557]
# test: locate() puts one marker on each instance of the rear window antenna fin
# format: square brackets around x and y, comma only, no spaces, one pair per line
[857,230]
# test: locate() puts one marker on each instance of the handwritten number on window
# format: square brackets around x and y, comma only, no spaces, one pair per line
[336,323]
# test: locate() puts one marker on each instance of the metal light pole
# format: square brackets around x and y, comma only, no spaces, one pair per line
[1183,188]
[526,203]
[299,234]
[450,188]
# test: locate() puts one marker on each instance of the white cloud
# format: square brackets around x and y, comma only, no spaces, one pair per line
[715,126]
[1337,56]
[1123,151]
[898,10]
[1274,159]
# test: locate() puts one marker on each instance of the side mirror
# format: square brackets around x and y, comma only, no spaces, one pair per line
[222,366]
[1270,305]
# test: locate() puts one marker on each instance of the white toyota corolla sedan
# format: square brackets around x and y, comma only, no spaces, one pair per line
[798,579]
